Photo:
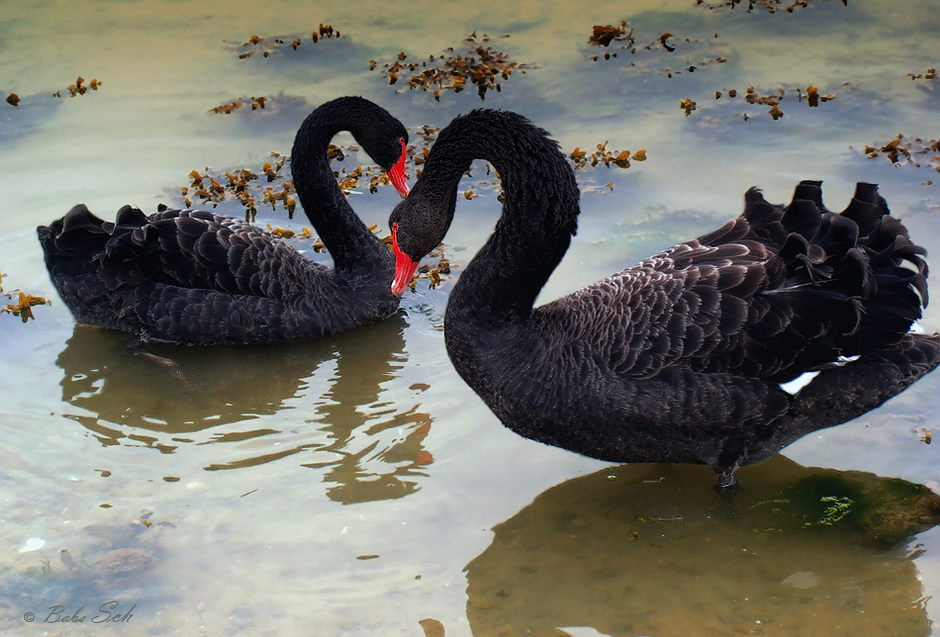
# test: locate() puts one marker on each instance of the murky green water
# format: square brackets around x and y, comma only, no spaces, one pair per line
[355,485]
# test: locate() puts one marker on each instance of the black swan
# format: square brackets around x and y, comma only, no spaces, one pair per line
[680,357]
[195,277]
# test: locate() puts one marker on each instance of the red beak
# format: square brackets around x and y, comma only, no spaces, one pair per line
[404,266]
[397,172]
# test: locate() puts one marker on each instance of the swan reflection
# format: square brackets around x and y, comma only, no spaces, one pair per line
[653,549]
[240,401]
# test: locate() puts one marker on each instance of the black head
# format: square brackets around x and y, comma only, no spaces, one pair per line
[418,225]
[380,134]
[385,139]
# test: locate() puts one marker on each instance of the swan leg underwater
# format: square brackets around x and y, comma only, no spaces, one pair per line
[681,357]
[195,277]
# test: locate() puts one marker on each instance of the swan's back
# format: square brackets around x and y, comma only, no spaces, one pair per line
[197,277]
[772,294]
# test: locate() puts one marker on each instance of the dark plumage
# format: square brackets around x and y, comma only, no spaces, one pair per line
[678,358]
[188,276]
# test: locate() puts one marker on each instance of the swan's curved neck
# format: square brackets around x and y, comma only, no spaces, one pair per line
[539,214]
[342,231]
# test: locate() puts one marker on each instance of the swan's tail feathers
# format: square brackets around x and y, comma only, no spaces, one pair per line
[82,235]
[79,231]
[73,247]
[896,294]
[841,283]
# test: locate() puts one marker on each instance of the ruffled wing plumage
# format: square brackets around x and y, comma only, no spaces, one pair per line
[196,277]
[772,294]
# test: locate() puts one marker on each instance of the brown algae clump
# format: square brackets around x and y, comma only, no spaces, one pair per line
[604,156]
[227,109]
[476,62]
[267,47]
[23,308]
[770,6]
[897,148]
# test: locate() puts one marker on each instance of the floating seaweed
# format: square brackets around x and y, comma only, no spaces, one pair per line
[240,184]
[476,62]
[771,6]
[772,100]
[79,87]
[349,180]
[267,47]
[691,68]
[490,183]
[663,40]
[895,150]
[23,308]
[604,34]
[255,103]
[813,98]
[227,108]
[930,74]
[427,133]
[751,96]
[257,187]
[433,273]
[269,186]
[619,158]
[281,233]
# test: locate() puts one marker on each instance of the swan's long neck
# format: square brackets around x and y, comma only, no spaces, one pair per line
[539,214]
[347,238]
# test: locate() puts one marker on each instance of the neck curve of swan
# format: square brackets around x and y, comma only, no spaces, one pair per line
[539,215]
[348,240]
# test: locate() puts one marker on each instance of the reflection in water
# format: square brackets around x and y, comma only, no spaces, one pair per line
[371,445]
[121,394]
[652,550]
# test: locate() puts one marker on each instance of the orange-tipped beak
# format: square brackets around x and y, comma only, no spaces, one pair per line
[404,266]
[397,172]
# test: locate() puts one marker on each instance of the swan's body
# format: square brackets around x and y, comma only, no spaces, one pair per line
[678,358]
[196,277]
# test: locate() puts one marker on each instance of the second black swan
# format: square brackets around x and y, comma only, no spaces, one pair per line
[195,277]
[680,357]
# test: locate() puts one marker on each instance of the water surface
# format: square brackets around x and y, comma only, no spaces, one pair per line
[355,485]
